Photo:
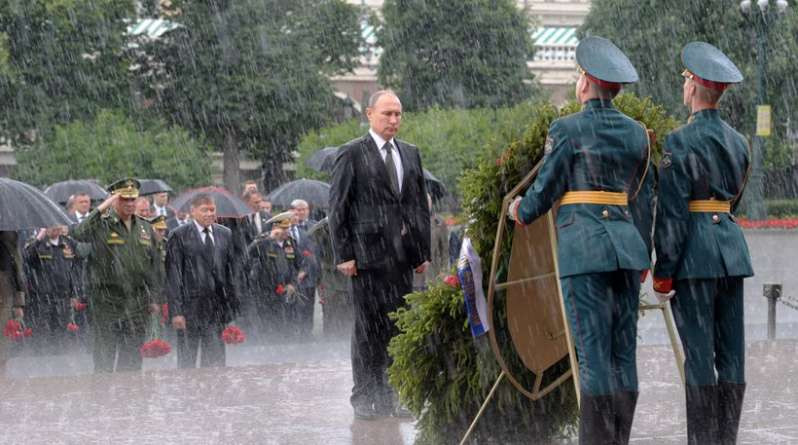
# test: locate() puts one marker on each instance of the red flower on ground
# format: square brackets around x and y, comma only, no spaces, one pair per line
[155,348]
[280,289]
[13,329]
[233,335]
[72,327]
[452,281]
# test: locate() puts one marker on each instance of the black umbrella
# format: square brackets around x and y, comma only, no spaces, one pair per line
[316,193]
[434,185]
[322,160]
[153,186]
[227,204]
[22,206]
[61,191]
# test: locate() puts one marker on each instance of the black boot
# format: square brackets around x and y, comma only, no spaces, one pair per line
[730,405]
[702,414]
[625,402]
[596,420]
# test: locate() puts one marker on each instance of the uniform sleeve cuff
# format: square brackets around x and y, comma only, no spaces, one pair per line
[663,285]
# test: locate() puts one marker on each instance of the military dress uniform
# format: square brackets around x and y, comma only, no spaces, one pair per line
[702,254]
[53,271]
[274,266]
[596,164]
[122,281]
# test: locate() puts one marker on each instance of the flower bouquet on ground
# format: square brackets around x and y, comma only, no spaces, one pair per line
[233,335]
[155,346]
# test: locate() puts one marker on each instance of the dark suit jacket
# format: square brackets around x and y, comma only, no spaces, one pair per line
[198,287]
[367,216]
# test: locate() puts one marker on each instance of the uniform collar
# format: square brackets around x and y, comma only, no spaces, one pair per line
[593,104]
[707,113]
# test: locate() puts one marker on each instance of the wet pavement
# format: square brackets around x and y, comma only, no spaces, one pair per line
[298,394]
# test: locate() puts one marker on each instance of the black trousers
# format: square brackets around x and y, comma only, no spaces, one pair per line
[200,335]
[376,294]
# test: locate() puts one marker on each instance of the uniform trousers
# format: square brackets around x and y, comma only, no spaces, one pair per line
[376,294]
[117,337]
[602,310]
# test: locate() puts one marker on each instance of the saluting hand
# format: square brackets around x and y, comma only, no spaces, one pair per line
[109,201]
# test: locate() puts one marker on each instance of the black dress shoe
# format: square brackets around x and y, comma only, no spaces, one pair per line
[364,412]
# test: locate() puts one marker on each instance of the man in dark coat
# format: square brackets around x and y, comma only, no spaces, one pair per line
[53,271]
[702,256]
[202,285]
[379,221]
[309,250]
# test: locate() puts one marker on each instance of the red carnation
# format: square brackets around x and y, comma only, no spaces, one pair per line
[79,306]
[72,327]
[28,332]
[13,330]
[155,348]
[280,289]
[233,335]
[165,313]
[307,253]
[452,281]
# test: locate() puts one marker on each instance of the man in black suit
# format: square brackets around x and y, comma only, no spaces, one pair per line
[159,205]
[380,225]
[257,221]
[202,285]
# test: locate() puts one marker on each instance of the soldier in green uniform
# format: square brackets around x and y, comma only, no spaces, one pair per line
[122,277]
[702,256]
[596,164]
[335,290]
[275,271]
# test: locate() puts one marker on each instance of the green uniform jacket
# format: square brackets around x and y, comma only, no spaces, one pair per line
[123,268]
[704,159]
[598,148]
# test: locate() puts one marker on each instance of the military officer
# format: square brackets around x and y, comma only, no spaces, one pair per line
[702,256]
[596,164]
[275,271]
[122,277]
[53,271]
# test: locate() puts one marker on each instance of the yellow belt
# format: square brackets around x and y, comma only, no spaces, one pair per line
[709,206]
[595,197]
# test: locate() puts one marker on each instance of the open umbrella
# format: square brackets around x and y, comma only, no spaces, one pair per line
[227,204]
[22,206]
[61,191]
[153,186]
[316,193]
[322,160]
[434,185]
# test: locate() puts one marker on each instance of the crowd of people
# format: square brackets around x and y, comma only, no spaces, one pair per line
[99,283]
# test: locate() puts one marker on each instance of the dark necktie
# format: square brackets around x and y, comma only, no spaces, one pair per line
[208,241]
[391,166]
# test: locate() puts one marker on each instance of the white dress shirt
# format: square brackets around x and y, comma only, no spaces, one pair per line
[159,210]
[397,158]
[202,231]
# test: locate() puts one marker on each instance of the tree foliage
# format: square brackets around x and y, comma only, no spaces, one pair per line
[441,373]
[60,60]
[652,33]
[468,53]
[113,146]
[250,74]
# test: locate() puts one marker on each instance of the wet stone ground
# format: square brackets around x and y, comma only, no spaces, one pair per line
[298,394]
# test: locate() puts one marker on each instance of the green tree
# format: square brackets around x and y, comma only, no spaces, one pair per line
[60,60]
[467,53]
[251,74]
[449,140]
[652,33]
[112,146]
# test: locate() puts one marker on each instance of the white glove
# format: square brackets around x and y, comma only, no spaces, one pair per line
[513,209]
[663,297]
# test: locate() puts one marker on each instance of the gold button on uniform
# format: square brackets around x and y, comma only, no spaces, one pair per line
[605,213]
[715,218]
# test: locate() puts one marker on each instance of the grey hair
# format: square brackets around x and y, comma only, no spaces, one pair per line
[377,95]
[298,202]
